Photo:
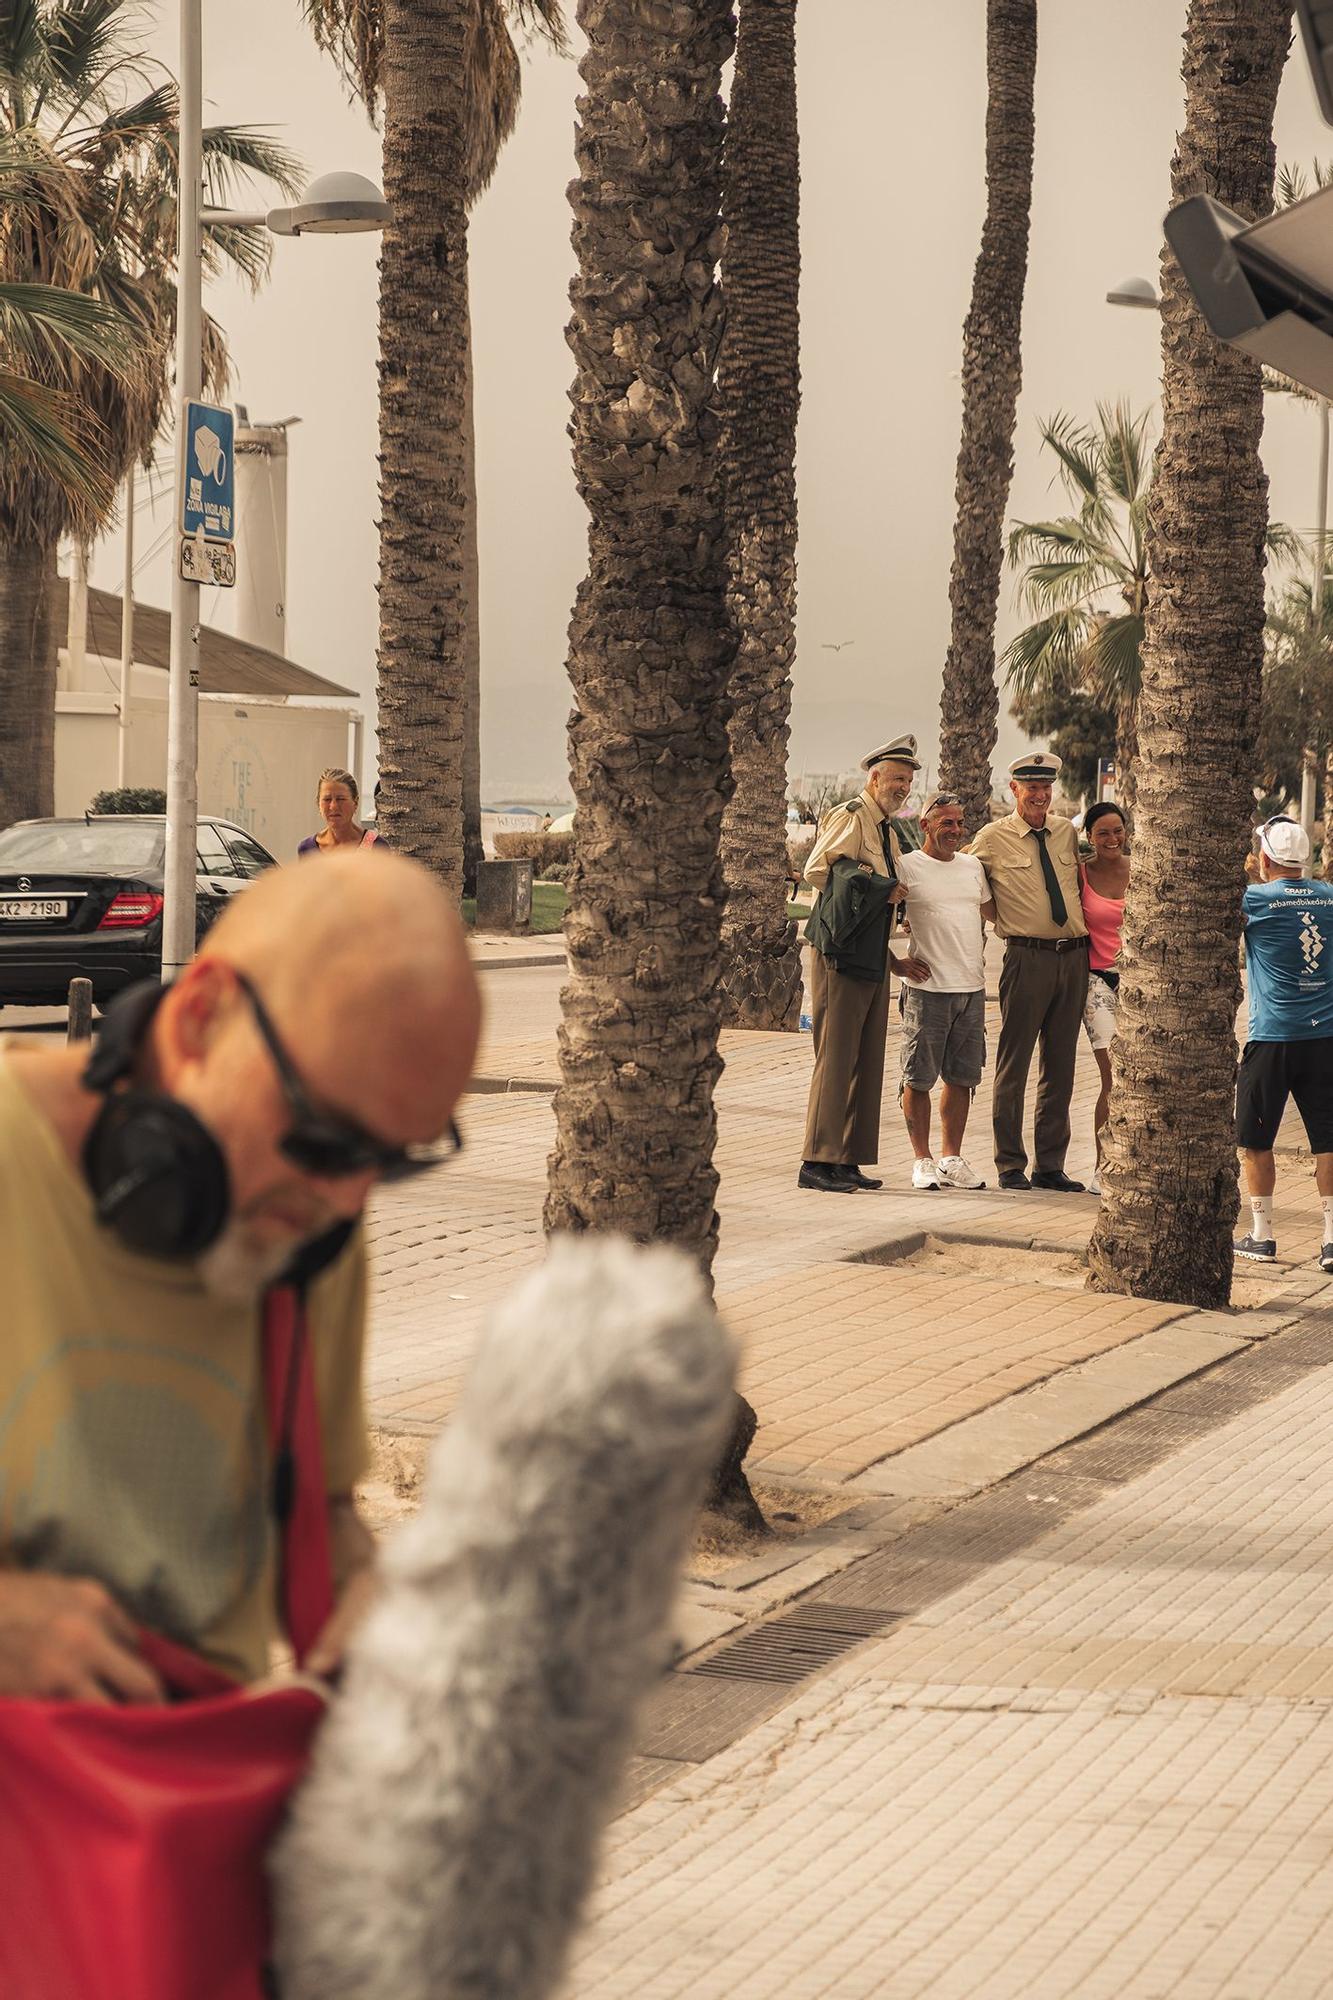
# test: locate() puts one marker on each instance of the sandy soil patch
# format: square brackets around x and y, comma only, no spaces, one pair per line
[1064,1270]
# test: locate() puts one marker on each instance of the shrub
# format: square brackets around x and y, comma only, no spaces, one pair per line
[548,852]
[798,853]
[130,799]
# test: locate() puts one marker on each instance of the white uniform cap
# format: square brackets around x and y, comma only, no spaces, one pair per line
[1039,767]
[902,750]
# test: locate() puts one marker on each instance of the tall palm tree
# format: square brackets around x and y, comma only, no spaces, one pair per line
[447,78]
[992,374]
[1085,575]
[1165,1226]
[759,381]
[651,649]
[88,174]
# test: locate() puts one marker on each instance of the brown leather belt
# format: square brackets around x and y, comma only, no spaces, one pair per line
[1050,944]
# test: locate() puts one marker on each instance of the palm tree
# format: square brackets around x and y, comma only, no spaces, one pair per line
[992,374]
[759,388]
[37,424]
[651,649]
[1297,714]
[88,178]
[1165,1226]
[1085,575]
[448,80]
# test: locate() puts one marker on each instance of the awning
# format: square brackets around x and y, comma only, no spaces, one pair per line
[226,665]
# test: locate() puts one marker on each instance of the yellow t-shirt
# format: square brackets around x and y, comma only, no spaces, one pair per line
[133,1442]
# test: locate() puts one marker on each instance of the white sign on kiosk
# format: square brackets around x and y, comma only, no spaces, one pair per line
[208,496]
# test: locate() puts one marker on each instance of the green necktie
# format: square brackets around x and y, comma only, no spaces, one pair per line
[1058,911]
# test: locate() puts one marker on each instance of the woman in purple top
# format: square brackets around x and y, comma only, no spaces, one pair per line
[338,799]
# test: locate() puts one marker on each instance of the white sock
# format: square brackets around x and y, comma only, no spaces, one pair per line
[1326,1203]
[1261,1207]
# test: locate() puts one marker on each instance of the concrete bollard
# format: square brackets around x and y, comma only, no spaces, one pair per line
[80,1010]
[504,895]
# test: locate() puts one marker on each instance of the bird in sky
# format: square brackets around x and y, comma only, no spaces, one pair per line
[829,647]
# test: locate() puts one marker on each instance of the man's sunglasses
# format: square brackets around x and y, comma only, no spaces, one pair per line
[328,1147]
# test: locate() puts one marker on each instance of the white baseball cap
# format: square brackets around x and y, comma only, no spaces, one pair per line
[1285,842]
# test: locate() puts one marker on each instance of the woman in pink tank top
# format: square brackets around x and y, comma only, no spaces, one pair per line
[1102,884]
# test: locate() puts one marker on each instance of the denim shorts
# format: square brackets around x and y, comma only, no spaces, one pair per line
[944,1035]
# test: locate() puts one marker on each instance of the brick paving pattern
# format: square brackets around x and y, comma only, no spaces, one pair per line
[1101,1771]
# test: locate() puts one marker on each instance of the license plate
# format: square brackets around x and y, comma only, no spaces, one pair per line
[32,909]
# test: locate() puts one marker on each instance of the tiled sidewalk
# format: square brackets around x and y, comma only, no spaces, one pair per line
[1103,1770]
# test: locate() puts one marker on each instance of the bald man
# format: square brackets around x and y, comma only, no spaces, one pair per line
[317,1044]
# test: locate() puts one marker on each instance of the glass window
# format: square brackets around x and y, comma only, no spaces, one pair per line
[78,847]
[213,856]
[251,859]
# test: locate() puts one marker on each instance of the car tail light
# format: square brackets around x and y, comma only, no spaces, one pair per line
[131,910]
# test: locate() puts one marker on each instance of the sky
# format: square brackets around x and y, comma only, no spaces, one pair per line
[892,108]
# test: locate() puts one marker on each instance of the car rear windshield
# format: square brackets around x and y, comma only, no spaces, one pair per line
[73,846]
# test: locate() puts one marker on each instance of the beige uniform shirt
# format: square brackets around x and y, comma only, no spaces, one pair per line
[1008,853]
[852,830]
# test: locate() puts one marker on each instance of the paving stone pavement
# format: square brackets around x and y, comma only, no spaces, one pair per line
[1100,1770]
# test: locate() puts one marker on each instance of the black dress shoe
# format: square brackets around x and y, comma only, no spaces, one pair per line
[857,1178]
[1016,1178]
[820,1174]
[1059,1182]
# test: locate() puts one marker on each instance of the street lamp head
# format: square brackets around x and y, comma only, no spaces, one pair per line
[1139,292]
[334,205]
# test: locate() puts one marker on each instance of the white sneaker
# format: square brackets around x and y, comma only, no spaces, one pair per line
[954,1172]
[925,1174]
[1095,1184]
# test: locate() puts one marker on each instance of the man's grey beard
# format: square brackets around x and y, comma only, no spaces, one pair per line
[238,1271]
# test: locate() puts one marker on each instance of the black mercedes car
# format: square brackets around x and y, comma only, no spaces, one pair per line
[82,898]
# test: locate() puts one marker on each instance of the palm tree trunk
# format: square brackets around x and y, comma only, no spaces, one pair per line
[28,643]
[472,848]
[423,433]
[992,375]
[1127,752]
[1165,1227]
[651,648]
[759,387]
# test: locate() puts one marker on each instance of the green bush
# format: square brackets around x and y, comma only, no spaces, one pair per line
[130,799]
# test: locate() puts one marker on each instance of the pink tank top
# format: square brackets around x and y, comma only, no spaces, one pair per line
[1105,918]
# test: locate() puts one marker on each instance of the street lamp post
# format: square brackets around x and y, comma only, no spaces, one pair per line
[336,204]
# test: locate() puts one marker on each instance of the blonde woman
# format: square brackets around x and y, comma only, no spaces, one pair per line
[339,796]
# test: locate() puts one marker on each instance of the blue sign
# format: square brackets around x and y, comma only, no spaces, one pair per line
[208,495]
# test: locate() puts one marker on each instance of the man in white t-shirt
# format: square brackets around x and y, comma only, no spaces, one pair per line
[944,1016]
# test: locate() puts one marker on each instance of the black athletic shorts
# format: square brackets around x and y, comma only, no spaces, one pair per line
[1270,1073]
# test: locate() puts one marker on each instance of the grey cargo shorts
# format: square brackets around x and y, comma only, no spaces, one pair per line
[944,1035]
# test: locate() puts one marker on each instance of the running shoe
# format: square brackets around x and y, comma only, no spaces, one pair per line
[925,1174]
[1259,1250]
[1095,1184]
[954,1172]
[1326,1257]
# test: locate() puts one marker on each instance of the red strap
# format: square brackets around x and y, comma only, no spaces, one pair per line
[293,1428]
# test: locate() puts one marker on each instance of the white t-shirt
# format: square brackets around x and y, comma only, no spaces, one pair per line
[943,907]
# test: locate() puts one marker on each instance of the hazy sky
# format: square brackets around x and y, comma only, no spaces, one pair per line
[892,101]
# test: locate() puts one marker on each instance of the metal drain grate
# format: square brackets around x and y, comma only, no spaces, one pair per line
[789,1648]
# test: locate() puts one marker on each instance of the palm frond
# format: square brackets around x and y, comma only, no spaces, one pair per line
[1285,546]
[247,250]
[544,19]
[22,46]
[493,90]
[1048,541]
[1051,586]
[39,322]
[85,39]
[1113,659]
[352,32]
[1122,449]
[1047,655]
[38,440]
[236,153]
[1076,449]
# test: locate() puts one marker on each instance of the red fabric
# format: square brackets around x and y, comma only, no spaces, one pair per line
[132,1839]
[307,1568]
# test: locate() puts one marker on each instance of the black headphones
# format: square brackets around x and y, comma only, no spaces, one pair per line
[158,1176]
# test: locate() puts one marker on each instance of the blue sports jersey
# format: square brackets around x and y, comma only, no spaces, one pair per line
[1289,959]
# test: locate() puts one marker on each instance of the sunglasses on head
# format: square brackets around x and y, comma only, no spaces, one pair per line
[324,1145]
